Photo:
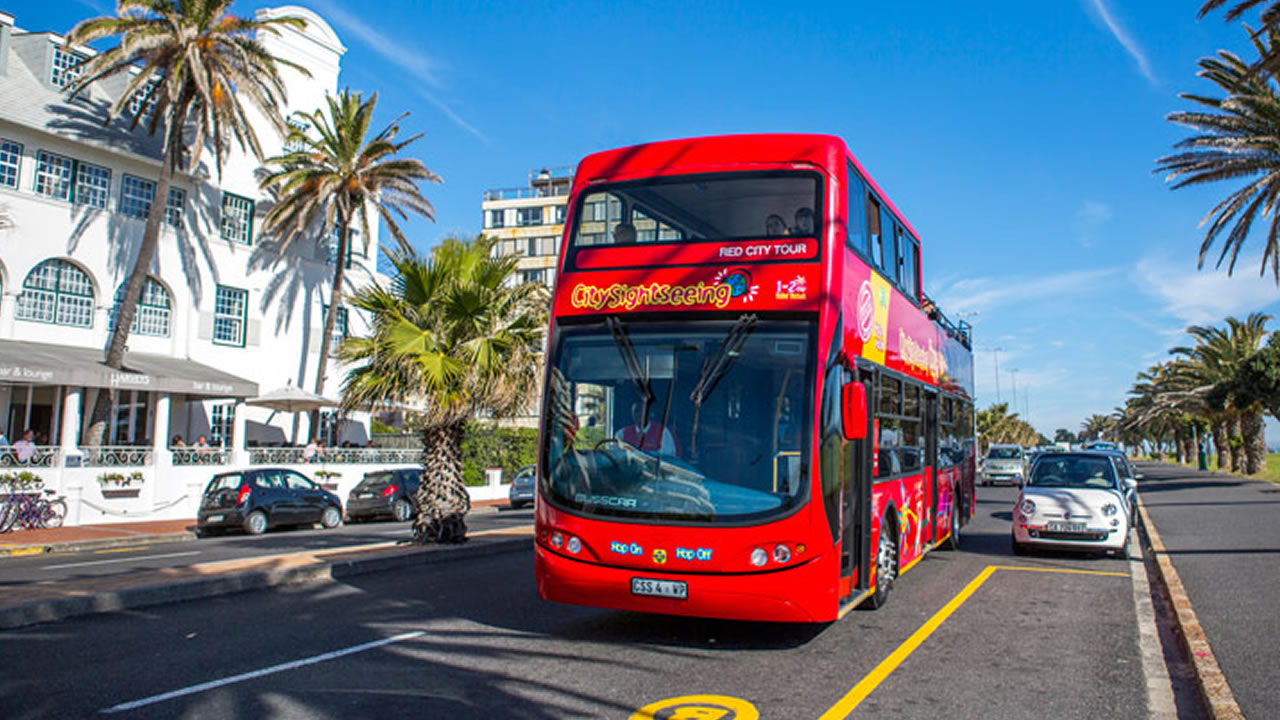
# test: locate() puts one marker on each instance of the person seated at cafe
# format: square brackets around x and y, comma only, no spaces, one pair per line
[25,447]
[177,442]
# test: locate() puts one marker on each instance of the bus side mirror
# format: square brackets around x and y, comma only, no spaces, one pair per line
[853,408]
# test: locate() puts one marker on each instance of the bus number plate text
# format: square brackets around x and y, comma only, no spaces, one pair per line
[660,588]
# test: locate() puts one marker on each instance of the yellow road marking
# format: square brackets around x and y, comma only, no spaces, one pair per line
[20,551]
[134,548]
[854,697]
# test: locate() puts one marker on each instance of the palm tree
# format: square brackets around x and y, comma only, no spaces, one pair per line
[198,64]
[1097,426]
[1270,18]
[333,177]
[454,335]
[1236,141]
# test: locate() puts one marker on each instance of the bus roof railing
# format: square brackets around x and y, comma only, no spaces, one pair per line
[961,331]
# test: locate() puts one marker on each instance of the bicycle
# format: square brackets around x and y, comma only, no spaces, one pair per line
[32,510]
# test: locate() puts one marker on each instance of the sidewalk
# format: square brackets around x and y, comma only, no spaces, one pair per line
[90,537]
[1221,534]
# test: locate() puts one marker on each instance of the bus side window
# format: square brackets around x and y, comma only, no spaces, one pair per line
[857,235]
[898,242]
[911,268]
[874,234]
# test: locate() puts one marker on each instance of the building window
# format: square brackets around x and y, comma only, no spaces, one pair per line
[230,312]
[559,214]
[237,219]
[339,329]
[92,185]
[67,66]
[144,99]
[136,195]
[53,175]
[331,248]
[154,310]
[57,292]
[173,209]
[222,419]
[10,161]
[495,218]
[534,276]
[529,216]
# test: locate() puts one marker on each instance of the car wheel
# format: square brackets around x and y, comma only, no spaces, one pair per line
[256,523]
[886,568]
[402,510]
[1018,548]
[331,517]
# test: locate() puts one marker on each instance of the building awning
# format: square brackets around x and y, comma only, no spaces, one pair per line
[43,364]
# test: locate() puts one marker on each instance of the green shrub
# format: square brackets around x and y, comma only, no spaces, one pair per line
[487,445]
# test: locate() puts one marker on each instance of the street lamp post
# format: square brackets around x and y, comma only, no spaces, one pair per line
[1013,375]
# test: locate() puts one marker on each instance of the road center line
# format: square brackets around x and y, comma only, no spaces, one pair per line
[118,560]
[191,690]
[854,697]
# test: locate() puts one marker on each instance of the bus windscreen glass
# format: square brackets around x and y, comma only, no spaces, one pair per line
[735,206]
[701,422]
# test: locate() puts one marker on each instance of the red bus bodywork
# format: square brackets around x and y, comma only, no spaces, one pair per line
[879,330]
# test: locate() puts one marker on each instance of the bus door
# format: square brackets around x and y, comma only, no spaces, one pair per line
[931,460]
[857,491]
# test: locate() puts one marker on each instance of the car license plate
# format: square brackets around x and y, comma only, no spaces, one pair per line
[1067,527]
[364,495]
[215,518]
[660,588]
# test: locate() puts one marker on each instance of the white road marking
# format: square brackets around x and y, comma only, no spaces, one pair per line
[118,560]
[191,690]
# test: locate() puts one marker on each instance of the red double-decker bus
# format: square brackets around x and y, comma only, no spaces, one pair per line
[751,410]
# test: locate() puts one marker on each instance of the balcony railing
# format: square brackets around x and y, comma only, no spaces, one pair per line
[201,456]
[37,456]
[526,192]
[117,455]
[335,456]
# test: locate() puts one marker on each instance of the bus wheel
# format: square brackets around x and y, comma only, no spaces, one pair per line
[953,540]
[886,567]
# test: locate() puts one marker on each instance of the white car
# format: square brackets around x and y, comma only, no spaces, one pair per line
[1004,463]
[1074,501]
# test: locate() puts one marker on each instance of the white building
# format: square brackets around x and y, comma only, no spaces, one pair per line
[529,222]
[223,317]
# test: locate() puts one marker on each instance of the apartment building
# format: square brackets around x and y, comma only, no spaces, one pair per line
[529,221]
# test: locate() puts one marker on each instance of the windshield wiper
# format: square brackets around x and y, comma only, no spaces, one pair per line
[717,366]
[631,361]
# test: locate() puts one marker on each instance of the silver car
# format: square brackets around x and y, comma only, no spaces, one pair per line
[1004,464]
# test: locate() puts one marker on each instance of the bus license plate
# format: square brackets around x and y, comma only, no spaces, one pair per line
[660,588]
[1067,527]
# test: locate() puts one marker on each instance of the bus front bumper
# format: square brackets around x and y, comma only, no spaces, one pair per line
[804,592]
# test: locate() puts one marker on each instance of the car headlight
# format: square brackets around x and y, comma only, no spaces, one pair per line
[1027,507]
[1110,509]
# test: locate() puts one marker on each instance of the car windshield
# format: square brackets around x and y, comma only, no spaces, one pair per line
[1073,471]
[702,421]
[376,480]
[736,206]
[1004,454]
[224,482]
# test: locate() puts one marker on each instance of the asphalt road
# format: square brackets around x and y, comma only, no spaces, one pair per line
[1223,536]
[113,561]
[472,640]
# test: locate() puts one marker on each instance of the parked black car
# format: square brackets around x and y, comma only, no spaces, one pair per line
[265,497]
[521,492]
[385,494]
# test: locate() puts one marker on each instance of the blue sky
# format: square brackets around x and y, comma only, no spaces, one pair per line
[1017,137]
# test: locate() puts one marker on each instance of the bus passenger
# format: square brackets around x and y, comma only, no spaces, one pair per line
[647,435]
[804,222]
[775,226]
[624,233]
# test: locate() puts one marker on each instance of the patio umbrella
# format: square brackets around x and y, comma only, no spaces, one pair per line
[292,399]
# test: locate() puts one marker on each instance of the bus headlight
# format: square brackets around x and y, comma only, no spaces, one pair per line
[781,553]
[557,539]
[574,545]
[759,557]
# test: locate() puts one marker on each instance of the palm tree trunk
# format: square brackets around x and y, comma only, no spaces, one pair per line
[1220,443]
[443,501]
[1255,443]
[1237,450]
[331,316]
[138,275]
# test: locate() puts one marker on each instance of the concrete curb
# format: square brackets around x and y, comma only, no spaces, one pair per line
[1215,692]
[71,546]
[199,588]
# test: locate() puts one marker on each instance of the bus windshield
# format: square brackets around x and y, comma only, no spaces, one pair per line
[733,206]
[700,422]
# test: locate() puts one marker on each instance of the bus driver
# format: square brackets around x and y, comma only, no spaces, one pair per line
[647,435]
